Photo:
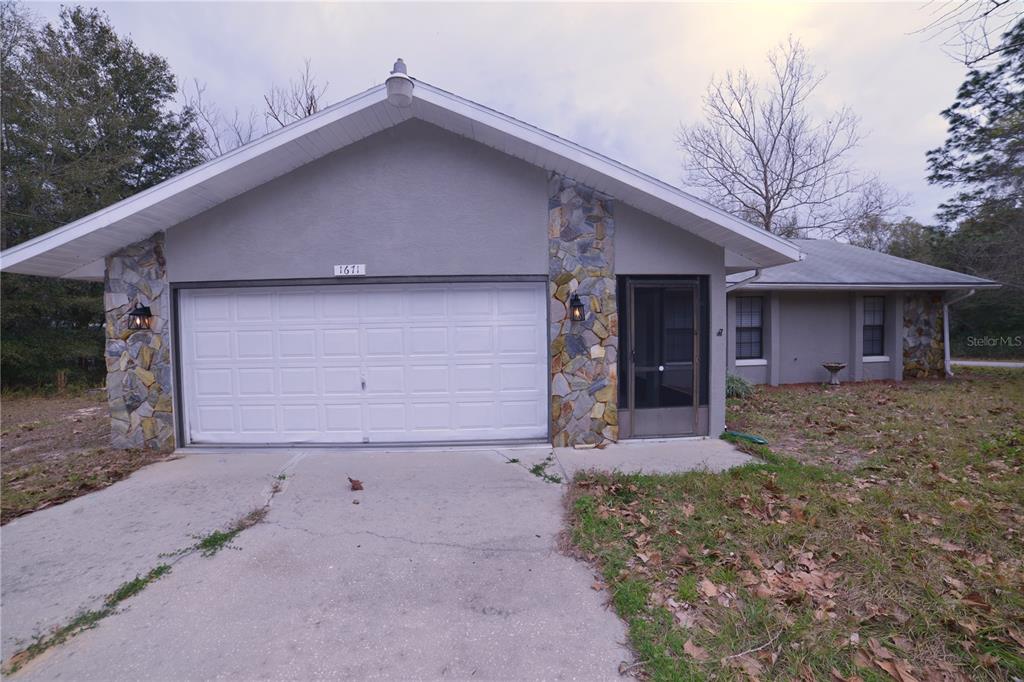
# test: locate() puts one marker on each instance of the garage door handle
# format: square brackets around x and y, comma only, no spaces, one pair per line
[363,382]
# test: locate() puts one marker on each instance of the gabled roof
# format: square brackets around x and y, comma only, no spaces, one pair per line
[836,265]
[76,250]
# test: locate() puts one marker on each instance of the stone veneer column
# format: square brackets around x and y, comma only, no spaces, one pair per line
[923,351]
[584,385]
[139,362]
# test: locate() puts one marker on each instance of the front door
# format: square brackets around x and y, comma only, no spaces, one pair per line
[664,373]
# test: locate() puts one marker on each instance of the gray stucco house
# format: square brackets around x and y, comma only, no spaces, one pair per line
[882,316]
[407,266]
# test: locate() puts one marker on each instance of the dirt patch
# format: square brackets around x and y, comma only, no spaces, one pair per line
[55,448]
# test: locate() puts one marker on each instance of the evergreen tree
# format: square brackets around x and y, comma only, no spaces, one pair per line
[87,120]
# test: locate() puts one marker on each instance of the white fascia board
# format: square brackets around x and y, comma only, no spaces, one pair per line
[608,167]
[190,178]
[880,286]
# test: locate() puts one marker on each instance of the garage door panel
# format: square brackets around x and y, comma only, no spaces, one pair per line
[516,303]
[300,419]
[428,379]
[257,418]
[254,307]
[213,308]
[255,343]
[340,306]
[344,419]
[384,341]
[475,415]
[365,363]
[217,418]
[428,341]
[297,306]
[213,345]
[518,339]
[473,340]
[386,417]
[385,380]
[297,344]
[518,377]
[474,378]
[470,303]
[256,382]
[341,343]
[518,413]
[342,381]
[298,380]
[213,382]
[431,416]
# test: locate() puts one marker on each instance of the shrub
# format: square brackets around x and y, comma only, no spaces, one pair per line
[737,386]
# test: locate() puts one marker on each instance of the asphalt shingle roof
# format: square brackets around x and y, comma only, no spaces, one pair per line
[836,264]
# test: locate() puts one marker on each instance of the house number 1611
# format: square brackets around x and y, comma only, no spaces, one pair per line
[350,270]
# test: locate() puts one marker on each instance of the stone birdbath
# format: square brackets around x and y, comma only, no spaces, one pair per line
[834,368]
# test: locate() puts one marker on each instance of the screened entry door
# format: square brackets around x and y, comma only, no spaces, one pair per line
[664,378]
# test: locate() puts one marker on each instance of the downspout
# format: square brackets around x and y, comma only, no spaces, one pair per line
[945,329]
[749,280]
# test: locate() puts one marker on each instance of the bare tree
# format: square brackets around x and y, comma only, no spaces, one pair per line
[282,105]
[300,99]
[761,154]
[971,31]
[220,133]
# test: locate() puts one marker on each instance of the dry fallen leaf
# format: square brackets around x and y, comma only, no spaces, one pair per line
[708,589]
[694,651]
[748,664]
[356,484]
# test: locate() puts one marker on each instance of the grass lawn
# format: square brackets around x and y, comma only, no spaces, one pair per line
[879,539]
[55,448]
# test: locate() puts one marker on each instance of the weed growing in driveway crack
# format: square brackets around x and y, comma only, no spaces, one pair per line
[207,545]
[85,620]
[213,542]
[133,587]
[540,470]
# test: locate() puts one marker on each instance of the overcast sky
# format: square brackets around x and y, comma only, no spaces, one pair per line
[618,78]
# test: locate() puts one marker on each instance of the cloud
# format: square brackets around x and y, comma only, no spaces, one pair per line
[618,78]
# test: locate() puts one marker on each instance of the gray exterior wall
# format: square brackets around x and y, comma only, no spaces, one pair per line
[803,329]
[413,200]
[419,201]
[646,245]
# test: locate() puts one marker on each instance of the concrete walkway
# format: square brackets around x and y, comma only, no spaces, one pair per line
[447,567]
[987,363]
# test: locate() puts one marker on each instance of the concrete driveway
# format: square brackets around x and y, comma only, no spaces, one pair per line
[448,567]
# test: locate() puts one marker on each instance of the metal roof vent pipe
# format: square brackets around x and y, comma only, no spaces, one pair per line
[399,86]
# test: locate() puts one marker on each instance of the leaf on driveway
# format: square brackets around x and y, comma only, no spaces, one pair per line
[356,484]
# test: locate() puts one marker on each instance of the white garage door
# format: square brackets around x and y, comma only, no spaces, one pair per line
[376,363]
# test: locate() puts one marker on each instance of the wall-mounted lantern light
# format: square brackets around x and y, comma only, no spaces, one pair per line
[576,309]
[140,318]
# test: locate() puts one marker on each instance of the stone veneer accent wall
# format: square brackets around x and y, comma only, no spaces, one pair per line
[584,386]
[923,351]
[139,362]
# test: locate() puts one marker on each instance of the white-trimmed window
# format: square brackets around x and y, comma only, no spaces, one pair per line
[874,326]
[749,328]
